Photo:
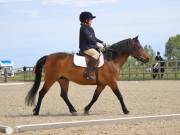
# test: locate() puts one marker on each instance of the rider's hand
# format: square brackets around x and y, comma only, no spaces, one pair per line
[106,45]
[100,45]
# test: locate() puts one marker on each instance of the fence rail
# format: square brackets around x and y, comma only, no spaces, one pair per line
[130,71]
[141,71]
[20,75]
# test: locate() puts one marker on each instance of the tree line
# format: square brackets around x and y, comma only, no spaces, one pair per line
[172,49]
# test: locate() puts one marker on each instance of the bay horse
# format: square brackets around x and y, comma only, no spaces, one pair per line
[59,67]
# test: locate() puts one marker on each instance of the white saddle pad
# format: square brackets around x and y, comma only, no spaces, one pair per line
[81,61]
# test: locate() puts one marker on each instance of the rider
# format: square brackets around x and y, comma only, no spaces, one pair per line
[158,57]
[89,44]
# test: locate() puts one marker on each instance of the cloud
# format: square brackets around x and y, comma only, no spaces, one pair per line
[13,1]
[77,3]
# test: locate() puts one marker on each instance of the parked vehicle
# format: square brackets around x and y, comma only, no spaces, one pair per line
[8,66]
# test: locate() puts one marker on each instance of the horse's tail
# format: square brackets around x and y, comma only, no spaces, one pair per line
[30,98]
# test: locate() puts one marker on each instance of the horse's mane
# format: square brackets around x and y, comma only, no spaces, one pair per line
[111,52]
[116,49]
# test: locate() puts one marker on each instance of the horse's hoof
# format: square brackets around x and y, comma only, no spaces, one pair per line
[86,112]
[35,113]
[126,112]
[74,114]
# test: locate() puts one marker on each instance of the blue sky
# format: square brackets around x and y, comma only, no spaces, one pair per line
[30,29]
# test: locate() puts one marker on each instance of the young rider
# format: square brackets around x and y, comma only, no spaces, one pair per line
[88,43]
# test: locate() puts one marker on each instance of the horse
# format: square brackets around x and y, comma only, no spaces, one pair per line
[158,69]
[59,67]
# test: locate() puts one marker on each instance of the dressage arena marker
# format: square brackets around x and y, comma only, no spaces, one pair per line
[10,84]
[6,129]
[46,126]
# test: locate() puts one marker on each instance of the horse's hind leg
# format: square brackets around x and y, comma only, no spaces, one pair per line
[116,91]
[42,92]
[64,84]
[97,92]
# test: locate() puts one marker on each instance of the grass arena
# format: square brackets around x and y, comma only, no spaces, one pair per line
[143,99]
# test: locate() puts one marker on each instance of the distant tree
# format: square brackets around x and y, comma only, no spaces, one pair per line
[150,51]
[172,50]
[131,61]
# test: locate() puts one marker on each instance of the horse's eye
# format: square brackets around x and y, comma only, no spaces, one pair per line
[139,47]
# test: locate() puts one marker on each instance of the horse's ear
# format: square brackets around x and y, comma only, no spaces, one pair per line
[136,38]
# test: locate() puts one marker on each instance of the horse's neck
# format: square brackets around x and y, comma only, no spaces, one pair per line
[120,61]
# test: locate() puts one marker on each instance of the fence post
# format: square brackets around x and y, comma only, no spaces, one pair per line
[151,71]
[176,71]
[143,73]
[29,73]
[24,69]
[5,75]
[129,71]
[136,71]
[167,69]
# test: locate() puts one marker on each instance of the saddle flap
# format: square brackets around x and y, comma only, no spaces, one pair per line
[81,60]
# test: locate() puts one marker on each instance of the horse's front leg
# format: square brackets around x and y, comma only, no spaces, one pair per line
[97,92]
[118,94]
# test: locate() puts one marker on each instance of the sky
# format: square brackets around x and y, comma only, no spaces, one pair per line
[30,29]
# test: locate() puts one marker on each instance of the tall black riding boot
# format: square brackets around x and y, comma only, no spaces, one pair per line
[91,68]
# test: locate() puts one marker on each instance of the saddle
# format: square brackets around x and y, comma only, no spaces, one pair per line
[81,60]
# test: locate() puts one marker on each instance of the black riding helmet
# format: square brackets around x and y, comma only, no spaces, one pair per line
[85,16]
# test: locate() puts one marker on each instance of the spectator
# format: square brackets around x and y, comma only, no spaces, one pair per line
[158,57]
[158,68]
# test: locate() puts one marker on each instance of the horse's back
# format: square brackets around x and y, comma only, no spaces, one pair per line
[56,60]
[60,55]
